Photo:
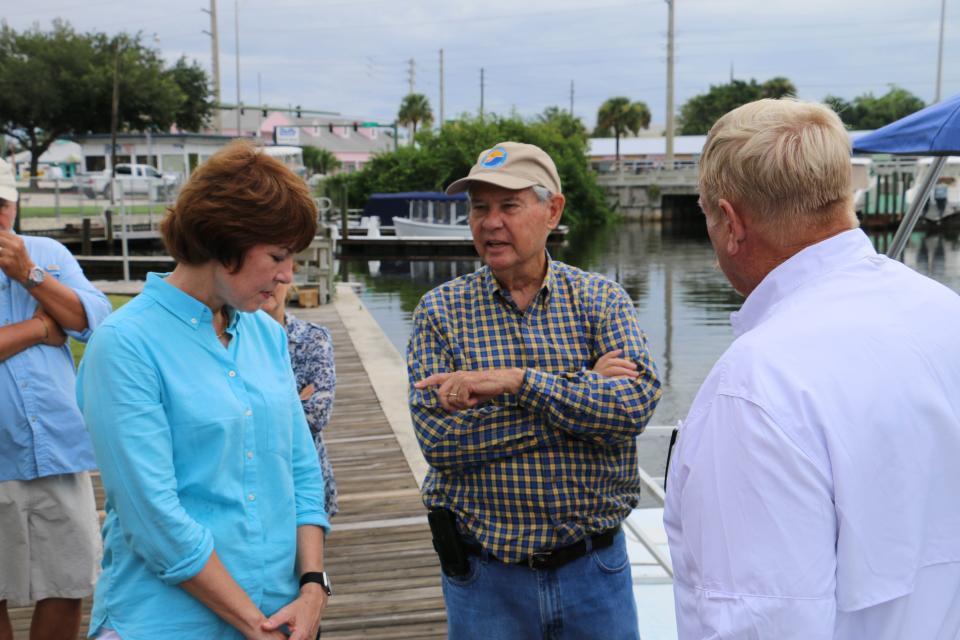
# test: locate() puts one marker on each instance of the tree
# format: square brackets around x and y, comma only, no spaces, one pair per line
[564,122]
[197,107]
[60,82]
[778,87]
[415,109]
[867,112]
[448,154]
[699,113]
[622,116]
[320,160]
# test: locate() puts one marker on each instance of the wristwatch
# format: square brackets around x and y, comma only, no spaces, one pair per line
[319,577]
[34,277]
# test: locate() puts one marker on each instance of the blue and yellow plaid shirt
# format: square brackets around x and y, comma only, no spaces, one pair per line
[558,461]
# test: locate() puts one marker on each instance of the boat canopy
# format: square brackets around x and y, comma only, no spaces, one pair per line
[388,205]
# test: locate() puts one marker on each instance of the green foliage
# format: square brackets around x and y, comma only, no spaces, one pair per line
[621,116]
[868,112]
[415,109]
[196,108]
[699,113]
[566,123]
[448,154]
[319,160]
[61,82]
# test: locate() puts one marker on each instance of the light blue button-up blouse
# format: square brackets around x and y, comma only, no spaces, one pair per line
[200,447]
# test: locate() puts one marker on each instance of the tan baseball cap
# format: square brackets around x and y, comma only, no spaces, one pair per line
[512,165]
[8,186]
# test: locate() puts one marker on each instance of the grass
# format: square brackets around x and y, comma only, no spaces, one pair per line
[92,210]
[76,348]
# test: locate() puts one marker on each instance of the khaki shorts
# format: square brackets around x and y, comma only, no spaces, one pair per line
[49,539]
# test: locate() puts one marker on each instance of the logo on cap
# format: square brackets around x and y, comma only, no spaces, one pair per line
[494,158]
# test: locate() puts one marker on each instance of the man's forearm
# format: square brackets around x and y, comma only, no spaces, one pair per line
[591,406]
[61,303]
[20,336]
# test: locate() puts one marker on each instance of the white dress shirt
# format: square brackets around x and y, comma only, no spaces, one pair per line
[813,491]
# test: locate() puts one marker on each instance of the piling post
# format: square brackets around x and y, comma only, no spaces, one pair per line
[85,238]
[108,229]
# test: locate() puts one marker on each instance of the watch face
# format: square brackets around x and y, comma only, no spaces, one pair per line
[35,277]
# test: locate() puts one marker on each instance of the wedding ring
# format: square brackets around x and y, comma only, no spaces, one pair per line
[453,395]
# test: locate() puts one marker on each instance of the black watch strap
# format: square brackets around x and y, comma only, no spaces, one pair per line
[319,577]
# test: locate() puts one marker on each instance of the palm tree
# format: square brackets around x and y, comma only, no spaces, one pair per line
[320,160]
[414,109]
[778,87]
[622,116]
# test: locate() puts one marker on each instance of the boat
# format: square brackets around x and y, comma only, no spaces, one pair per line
[944,200]
[406,228]
[421,214]
[863,179]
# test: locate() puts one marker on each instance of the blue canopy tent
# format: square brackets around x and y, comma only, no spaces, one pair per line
[933,131]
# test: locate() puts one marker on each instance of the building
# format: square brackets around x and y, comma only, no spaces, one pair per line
[352,145]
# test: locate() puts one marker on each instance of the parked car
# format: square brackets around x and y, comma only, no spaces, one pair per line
[131,179]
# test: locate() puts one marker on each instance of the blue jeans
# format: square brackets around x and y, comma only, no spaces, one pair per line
[590,597]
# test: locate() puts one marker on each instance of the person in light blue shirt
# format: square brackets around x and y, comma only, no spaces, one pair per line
[48,518]
[214,496]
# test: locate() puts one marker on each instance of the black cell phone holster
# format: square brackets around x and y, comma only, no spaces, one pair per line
[447,542]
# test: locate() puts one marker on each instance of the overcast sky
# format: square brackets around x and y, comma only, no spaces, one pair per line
[352,56]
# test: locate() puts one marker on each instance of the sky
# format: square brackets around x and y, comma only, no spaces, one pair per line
[353,56]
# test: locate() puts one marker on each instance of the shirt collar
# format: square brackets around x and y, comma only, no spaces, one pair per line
[182,305]
[491,287]
[803,267]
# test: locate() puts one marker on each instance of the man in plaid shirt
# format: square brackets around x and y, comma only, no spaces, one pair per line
[530,380]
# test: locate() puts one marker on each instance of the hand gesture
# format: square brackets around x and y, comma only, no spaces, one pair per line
[612,365]
[302,616]
[54,335]
[461,390]
[14,259]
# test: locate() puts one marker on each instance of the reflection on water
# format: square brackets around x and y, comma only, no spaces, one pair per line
[683,300]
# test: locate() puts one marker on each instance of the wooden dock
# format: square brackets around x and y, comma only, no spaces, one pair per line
[385,575]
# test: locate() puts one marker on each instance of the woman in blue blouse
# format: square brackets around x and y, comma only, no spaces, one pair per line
[311,354]
[214,497]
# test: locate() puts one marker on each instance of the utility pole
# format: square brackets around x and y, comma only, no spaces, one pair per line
[411,74]
[669,160]
[215,61]
[441,88]
[481,94]
[114,117]
[943,13]
[571,97]
[236,29]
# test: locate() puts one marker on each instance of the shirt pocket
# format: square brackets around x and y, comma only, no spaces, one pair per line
[278,418]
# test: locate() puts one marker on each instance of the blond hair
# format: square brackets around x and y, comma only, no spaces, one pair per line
[784,161]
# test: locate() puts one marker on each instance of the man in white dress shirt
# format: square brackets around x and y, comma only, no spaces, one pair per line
[814,486]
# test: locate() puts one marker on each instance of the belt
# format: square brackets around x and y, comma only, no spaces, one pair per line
[556,558]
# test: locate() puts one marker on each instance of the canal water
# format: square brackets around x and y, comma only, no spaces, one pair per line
[683,299]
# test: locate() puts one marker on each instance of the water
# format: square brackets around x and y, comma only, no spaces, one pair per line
[683,300]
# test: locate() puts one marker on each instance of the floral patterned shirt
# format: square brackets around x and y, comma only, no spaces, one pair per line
[311,353]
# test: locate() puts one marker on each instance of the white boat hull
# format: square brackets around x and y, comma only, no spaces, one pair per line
[406,228]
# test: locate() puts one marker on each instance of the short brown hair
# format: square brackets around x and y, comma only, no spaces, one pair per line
[237,199]
[787,161]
